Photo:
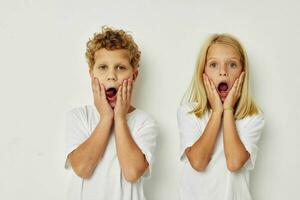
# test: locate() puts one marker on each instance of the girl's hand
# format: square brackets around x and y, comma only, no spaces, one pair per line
[234,93]
[212,95]
[123,99]
[100,100]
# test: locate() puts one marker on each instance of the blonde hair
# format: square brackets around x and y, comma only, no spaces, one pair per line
[110,39]
[196,91]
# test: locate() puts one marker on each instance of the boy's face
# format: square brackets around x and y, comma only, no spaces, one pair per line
[111,68]
[223,66]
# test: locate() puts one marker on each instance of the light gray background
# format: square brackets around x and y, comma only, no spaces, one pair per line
[44,74]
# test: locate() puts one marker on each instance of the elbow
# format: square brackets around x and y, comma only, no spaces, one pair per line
[83,175]
[198,165]
[234,166]
[131,175]
[82,172]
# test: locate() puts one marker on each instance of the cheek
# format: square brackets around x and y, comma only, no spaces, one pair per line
[123,77]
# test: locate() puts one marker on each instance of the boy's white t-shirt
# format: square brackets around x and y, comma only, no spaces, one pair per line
[107,181]
[216,182]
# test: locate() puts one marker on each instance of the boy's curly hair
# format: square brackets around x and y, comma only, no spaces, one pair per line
[111,39]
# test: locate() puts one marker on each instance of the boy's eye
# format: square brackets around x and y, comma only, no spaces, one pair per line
[102,67]
[121,67]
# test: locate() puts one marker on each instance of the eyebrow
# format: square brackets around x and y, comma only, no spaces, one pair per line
[234,58]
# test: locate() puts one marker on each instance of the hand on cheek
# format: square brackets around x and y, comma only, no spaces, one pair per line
[123,99]
[212,95]
[234,93]
[100,100]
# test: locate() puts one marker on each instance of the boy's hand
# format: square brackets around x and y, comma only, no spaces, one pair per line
[235,92]
[123,99]
[100,100]
[212,95]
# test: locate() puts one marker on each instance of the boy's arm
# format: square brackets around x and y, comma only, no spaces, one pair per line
[85,158]
[235,151]
[199,154]
[132,160]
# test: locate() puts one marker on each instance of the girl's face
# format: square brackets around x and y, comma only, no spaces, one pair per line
[223,66]
[111,68]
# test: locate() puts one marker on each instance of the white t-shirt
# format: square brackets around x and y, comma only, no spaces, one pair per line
[216,182]
[107,181]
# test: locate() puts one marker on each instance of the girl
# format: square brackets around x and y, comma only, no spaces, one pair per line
[220,124]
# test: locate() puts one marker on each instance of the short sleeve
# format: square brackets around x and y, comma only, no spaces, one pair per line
[76,131]
[145,138]
[190,128]
[250,133]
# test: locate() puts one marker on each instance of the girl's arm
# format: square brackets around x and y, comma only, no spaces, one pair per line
[85,158]
[235,151]
[132,160]
[200,152]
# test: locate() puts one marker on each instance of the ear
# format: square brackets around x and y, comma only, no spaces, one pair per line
[135,74]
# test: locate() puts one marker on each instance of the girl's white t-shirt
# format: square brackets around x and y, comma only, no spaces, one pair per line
[107,181]
[216,182]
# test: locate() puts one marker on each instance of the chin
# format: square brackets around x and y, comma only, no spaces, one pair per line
[112,104]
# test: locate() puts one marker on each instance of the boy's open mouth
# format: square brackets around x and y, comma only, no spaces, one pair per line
[223,87]
[111,94]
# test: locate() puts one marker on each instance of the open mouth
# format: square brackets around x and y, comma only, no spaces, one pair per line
[223,87]
[111,93]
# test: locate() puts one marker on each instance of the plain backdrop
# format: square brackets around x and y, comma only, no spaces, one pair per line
[44,74]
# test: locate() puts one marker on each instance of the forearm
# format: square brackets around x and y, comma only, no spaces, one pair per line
[85,158]
[235,151]
[200,152]
[132,160]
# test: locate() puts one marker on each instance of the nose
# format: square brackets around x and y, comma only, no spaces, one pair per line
[223,71]
[111,76]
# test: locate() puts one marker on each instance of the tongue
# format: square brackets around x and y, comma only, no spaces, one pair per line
[223,87]
[110,93]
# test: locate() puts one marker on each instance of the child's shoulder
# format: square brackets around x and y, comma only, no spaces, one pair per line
[141,115]
[252,119]
[186,110]
[83,111]
[186,107]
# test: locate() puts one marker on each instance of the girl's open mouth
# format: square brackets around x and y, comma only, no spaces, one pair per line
[111,94]
[223,88]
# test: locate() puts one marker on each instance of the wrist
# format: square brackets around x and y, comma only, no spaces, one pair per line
[107,118]
[228,108]
[120,118]
[217,112]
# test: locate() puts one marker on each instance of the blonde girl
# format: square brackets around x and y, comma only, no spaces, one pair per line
[220,124]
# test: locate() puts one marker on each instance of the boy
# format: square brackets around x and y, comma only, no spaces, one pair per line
[110,144]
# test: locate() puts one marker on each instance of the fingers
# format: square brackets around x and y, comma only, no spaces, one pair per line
[206,85]
[119,93]
[95,87]
[124,91]
[102,92]
[129,89]
[240,83]
[210,87]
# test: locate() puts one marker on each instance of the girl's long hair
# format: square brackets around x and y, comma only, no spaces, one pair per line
[196,91]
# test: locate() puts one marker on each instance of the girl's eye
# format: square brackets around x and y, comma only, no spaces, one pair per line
[232,65]
[213,65]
